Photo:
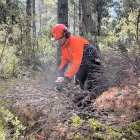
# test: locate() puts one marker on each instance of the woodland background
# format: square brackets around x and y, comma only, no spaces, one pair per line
[28,58]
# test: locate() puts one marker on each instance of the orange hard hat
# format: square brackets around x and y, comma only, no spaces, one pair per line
[58,31]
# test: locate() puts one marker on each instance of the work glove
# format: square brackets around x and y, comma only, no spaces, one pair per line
[62,82]
[62,71]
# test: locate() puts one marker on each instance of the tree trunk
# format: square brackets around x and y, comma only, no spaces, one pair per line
[9,16]
[88,26]
[34,20]
[99,16]
[80,17]
[28,49]
[74,24]
[62,13]
[8,4]
[137,29]
[29,14]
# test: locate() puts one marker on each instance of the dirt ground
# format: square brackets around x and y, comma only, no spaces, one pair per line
[44,109]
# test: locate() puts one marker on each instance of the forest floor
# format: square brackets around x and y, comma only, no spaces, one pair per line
[72,113]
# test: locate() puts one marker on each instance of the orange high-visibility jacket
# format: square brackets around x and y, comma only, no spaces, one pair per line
[72,52]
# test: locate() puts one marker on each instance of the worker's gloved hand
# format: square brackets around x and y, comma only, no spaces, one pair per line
[62,82]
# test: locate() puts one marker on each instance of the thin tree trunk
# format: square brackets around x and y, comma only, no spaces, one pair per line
[40,16]
[34,28]
[9,16]
[88,26]
[29,14]
[28,49]
[62,14]
[137,29]
[74,24]
[138,40]
[99,18]
[21,35]
[34,19]
[99,10]
[80,17]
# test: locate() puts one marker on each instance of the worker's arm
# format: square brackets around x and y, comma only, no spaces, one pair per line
[63,66]
[77,59]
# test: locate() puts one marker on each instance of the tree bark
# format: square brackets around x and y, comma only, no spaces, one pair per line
[28,50]
[34,20]
[62,12]
[137,29]
[88,26]
[74,24]
[80,17]
[9,16]
[99,16]
[62,15]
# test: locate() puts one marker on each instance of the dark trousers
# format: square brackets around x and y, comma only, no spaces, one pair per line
[91,74]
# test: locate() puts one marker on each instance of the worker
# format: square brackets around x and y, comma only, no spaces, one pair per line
[84,59]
